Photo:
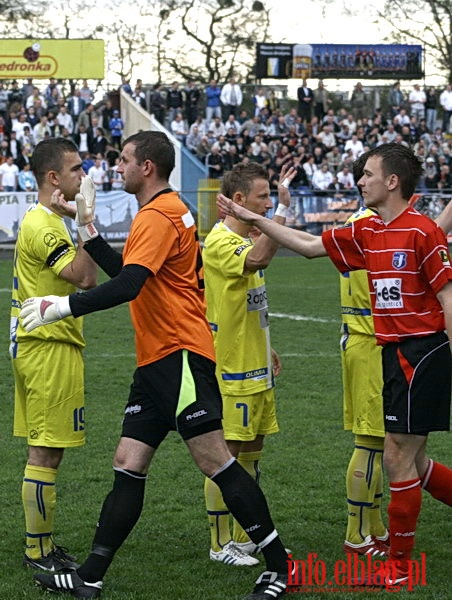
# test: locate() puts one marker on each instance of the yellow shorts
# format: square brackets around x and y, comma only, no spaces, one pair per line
[49,394]
[246,417]
[362,381]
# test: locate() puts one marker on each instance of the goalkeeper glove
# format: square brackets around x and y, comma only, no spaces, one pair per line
[86,202]
[44,310]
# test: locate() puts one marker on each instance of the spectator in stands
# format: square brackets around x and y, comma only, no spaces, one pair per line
[231,97]
[27,89]
[215,163]
[305,98]
[192,96]
[116,180]
[15,95]
[431,174]
[75,105]
[8,175]
[179,128]
[327,138]
[322,178]
[310,168]
[139,96]
[259,101]
[100,142]
[213,102]
[193,139]
[217,128]
[86,93]
[203,149]
[157,103]
[445,100]
[321,101]
[116,127]
[417,99]
[14,145]
[273,106]
[445,178]
[98,174]
[358,101]
[26,179]
[395,99]
[174,102]
[431,108]
[64,119]
[334,159]
[345,178]
[83,140]
[355,145]
[231,121]
[41,130]
[36,97]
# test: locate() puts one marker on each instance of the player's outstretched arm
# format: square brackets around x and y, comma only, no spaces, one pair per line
[301,242]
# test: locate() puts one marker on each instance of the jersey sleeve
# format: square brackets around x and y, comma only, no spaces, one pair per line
[344,248]
[53,246]
[153,238]
[435,259]
[231,252]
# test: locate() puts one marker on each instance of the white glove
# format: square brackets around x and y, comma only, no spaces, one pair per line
[43,310]
[86,203]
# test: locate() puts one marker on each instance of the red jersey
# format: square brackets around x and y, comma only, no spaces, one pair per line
[407,263]
[169,312]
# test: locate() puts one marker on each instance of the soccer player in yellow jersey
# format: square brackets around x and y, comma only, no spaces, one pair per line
[47,363]
[237,311]
[362,381]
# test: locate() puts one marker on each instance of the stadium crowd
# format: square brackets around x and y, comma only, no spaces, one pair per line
[320,142]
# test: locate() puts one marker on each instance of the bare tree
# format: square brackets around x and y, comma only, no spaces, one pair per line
[221,37]
[427,22]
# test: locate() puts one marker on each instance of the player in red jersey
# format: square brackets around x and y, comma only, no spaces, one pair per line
[410,279]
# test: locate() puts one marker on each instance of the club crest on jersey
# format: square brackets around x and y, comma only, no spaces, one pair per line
[399,260]
[444,257]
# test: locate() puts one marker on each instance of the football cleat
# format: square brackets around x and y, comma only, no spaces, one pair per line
[231,555]
[269,586]
[69,582]
[252,548]
[369,546]
[57,560]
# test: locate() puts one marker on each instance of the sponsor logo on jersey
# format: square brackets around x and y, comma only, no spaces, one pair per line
[399,260]
[133,410]
[444,257]
[256,298]
[195,415]
[241,248]
[388,293]
[50,240]
[391,418]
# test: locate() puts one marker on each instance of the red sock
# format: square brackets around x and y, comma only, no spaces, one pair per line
[403,511]
[437,480]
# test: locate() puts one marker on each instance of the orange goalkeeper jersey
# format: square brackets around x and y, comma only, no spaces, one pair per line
[169,312]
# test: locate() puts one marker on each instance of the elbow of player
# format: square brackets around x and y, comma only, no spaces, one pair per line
[87,282]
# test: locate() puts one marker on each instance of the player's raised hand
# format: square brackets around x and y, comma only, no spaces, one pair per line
[285,179]
[86,206]
[61,206]
[43,310]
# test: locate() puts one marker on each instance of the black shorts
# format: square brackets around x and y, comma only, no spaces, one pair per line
[177,393]
[417,385]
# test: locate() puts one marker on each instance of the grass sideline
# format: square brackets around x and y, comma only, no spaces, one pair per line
[166,556]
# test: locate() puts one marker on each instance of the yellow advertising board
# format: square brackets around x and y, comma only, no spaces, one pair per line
[62,59]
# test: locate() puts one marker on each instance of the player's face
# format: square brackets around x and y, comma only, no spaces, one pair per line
[131,172]
[70,175]
[258,199]
[373,183]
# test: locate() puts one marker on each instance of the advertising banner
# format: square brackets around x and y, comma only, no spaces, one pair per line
[62,59]
[114,213]
[339,61]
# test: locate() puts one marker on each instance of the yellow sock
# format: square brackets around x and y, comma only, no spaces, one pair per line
[250,462]
[218,516]
[363,475]
[39,499]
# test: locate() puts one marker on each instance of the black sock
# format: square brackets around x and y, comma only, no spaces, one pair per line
[247,503]
[120,511]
